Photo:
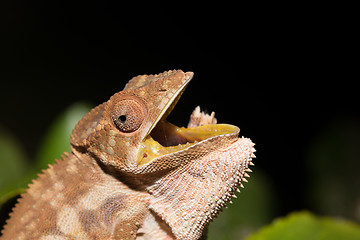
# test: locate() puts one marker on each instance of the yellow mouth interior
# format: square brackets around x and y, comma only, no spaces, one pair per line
[167,138]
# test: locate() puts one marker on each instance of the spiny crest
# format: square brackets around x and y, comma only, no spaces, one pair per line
[32,193]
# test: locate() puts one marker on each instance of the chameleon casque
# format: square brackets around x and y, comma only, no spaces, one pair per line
[133,175]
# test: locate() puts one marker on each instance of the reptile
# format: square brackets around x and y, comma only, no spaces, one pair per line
[133,175]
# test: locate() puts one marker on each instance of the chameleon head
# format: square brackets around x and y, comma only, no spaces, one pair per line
[130,131]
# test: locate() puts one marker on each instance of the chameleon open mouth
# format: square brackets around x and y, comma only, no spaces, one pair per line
[164,138]
[167,138]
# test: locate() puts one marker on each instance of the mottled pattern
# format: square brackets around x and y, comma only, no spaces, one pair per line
[100,192]
[75,199]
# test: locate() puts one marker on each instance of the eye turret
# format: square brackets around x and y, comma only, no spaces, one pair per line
[128,115]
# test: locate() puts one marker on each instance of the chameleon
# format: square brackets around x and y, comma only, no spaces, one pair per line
[131,174]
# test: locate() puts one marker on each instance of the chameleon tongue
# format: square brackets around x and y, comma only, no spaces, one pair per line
[167,138]
[168,134]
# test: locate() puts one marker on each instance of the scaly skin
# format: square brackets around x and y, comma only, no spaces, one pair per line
[132,175]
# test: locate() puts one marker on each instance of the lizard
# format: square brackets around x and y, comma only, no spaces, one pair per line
[133,175]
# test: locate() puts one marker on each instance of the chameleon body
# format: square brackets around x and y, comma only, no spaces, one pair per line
[133,175]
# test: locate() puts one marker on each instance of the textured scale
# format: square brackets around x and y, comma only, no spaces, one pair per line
[102,191]
[207,184]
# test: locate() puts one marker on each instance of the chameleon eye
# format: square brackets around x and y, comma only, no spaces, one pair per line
[128,115]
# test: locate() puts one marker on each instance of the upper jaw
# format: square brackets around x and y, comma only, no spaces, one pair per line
[170,104]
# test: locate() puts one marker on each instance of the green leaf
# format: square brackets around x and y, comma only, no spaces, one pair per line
[13,166]
[333,165]
[15,172]
[57,139]
[304,225]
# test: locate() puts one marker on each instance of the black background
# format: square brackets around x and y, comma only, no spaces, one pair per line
[281,73]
